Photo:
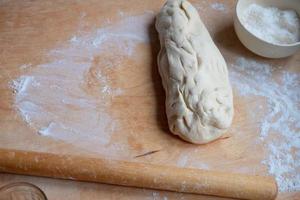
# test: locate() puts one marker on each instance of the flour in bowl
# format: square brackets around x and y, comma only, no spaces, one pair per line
[272,24]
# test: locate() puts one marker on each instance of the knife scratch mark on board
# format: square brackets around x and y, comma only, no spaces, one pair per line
[148,153]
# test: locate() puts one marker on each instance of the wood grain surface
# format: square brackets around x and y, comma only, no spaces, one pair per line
[31,31]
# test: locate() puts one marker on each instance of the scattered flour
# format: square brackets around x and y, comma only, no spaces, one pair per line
[280,126]
[186,159]
[183,160]
[25,66]
[158,196]
[69,98]
[218,6]
[272,24]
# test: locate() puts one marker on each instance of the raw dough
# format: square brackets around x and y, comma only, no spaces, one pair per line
[194,74]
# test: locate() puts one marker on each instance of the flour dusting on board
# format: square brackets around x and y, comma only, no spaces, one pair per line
[69,97]
[218,6]
[280,126]
[186,159]
[158,196]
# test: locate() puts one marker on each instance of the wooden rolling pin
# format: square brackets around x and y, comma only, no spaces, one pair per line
[138,175]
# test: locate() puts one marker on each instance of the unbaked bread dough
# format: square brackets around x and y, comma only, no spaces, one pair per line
[194,74]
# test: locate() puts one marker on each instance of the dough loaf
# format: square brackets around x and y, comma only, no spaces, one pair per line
[194,74]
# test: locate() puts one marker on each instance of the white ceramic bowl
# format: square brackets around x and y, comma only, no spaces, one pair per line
[257,45]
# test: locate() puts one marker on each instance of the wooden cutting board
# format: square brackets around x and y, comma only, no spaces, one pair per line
[80,77]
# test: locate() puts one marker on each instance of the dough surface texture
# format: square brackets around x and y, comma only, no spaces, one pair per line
[194,74]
